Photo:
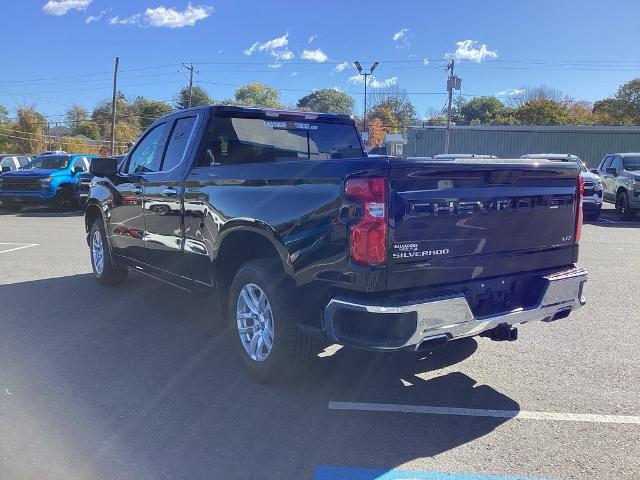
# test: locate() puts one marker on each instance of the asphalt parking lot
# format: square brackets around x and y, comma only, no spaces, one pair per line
[140,382]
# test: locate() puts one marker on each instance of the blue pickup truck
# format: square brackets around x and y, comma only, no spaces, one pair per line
[47,180]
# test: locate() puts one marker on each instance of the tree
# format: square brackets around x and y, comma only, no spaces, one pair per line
[127,120]
[482,110]
[89,129]
[149,110]
[611,111]
[327,100]
[76,116]
[541,112]
[542,92]
[258,95]
[578,112]
[6,127]
[199,97]
[28,131]
[376,132]
[629,93]
[395,111]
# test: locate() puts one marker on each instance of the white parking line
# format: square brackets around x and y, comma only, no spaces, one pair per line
[481,412]
[19,247]
[605,220]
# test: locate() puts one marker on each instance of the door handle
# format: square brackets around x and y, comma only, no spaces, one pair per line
[170,192]
[137,190]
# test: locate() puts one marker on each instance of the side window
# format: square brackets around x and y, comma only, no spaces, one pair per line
[606,163]
[616,163]
[178,143]
[82,163]
[146,155]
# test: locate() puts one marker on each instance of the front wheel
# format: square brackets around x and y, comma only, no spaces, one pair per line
[262,319]
[624,211]
[101,259]
[63,200]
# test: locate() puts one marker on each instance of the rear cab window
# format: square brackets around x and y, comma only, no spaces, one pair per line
[239,140]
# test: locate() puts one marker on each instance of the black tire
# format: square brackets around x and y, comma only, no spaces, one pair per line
[64,200]
[110,274]
[592,216]
[290,353]
[624,211]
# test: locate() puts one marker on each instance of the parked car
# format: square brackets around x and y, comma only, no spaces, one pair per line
[46,180]
[53,152]
[83,183]
[283,217]
[620,174]
[593,189]
[12,161]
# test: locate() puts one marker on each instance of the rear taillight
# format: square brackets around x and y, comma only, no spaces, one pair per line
[579,197]
[368,239]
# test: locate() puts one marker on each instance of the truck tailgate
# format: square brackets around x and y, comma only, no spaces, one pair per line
[458,220]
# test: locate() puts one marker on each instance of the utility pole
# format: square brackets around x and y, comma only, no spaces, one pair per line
[365,75]
[453,83]
[192,70]
[113,107]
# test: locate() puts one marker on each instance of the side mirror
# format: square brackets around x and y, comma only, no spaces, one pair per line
[78,169]
[612,171]
[103,167]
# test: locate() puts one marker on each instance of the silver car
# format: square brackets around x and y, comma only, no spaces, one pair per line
[620,173]
[593,185]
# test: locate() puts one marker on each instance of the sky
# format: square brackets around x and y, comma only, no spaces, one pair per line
[61,52]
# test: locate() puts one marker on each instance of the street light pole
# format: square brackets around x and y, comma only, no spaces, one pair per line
[365,75]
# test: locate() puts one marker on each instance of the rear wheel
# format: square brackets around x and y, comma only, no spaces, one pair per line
[624,211]
[262,319]
[104,269]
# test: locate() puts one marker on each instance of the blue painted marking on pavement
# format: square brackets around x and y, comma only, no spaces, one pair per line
[347,473]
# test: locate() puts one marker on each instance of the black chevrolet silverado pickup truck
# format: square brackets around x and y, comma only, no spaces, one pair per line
[286,220]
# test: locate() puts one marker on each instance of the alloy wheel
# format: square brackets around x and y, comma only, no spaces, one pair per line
[255,322]
[97,252]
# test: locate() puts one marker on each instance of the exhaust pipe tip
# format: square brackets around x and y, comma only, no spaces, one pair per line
[431,343]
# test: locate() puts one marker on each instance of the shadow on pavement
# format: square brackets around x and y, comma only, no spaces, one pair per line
[40,212]
[140,381]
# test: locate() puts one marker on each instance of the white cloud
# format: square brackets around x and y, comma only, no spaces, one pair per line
[342,66]
[314,55]
[274,65]
[472,50]
[61,7]
[425,61]
[276,47]
[311,39]
[171,18]
[294,74]
[373,81]
[95,18]
[164,17]
[284,54]
[132,20]
[514,92]
[399,35]
[269,45]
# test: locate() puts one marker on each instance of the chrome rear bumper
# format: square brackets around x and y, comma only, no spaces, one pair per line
[452,316]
